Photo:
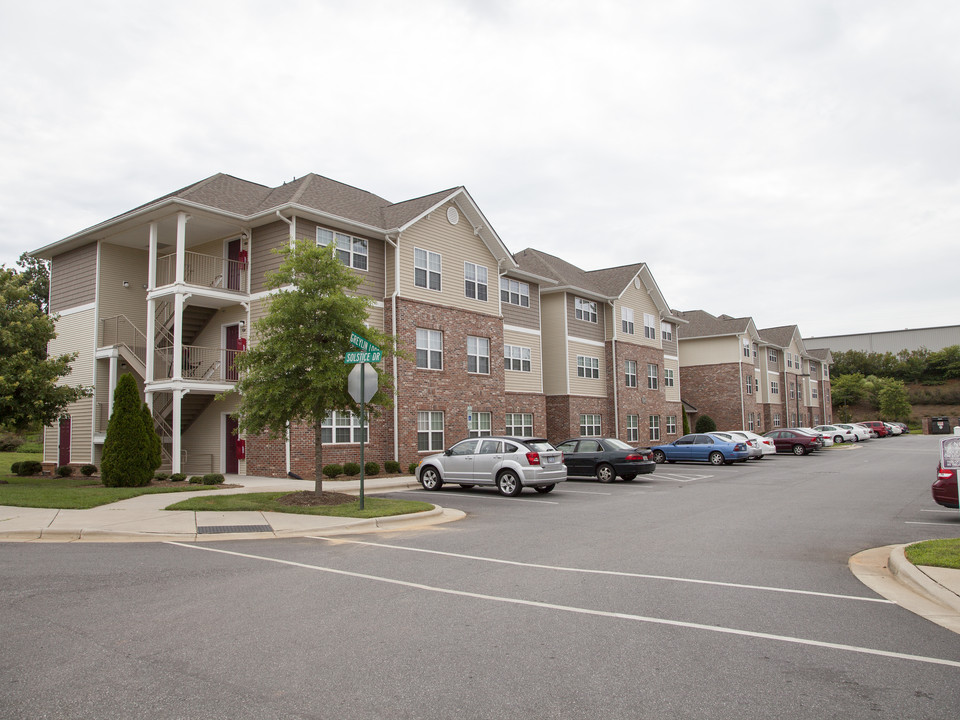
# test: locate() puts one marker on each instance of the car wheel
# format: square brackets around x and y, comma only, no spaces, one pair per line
[628,477]
[838,439]
[605,473]
[467,486]
[544,489]
[716,458]
[856,438]
[508,483]
[659,457]
[430,479]
[799,450]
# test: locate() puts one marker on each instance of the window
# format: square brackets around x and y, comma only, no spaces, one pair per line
[588,367]
[475,281]
[750,423]
[426,269]
[478,355]
[671,425]
[755,349]
[429,349]
[585,310]
[667,377]
[792,391]
[654,427]
[826,372]
[342,427]
[633,428]
[813,391]
[653,377]
[749,384]
[631,373]
[429,431]
[649,326]
[514,292]
[516,358]
[590,426]
[746,347]
[478,424]
[756,384]
[776,419]
[519,424]
[666,331]
[796,361]
[789,360]
[626,320]
[772,356]
[774,387]
[351,251]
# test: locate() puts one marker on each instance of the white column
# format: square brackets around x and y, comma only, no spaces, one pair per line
[113,383]
[152,258]
[181,245]
[175,430]
[178,336]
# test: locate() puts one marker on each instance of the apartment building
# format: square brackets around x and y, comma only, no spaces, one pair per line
[796,387]
[610,358]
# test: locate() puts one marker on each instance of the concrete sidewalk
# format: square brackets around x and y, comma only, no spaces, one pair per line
[143,518]
[931,592]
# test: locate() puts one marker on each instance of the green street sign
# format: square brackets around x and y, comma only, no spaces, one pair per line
[365,345]
[363,357]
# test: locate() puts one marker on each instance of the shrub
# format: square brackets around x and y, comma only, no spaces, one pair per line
[195,479]
[351,469]
[412,469]
[392,466]
[29,467]
[64,471]
[333,470]
[213,479]
[10,442]
[88,470]
[371,468]
[160,476]
[129,452]
[705,424]
[14,468]
[31,447]
[178,477]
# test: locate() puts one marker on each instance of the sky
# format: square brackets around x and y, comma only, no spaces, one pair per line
[794,161]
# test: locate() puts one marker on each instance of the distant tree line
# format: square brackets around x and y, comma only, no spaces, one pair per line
[910,366]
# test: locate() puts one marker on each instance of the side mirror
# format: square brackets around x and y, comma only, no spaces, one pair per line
[448,452]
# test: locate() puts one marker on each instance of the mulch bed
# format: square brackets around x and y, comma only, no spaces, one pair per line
[308,498]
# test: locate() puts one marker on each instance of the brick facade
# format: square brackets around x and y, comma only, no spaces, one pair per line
[720,392]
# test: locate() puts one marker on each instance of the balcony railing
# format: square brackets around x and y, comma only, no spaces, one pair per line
[204,271]
[119,330]
[204,364]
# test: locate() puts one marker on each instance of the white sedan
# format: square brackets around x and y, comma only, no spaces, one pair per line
[839,434]
[764,443]
[859,431]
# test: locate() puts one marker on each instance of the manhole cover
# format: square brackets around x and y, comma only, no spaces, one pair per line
[233,529]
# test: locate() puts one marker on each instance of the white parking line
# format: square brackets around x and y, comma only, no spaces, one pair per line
[682,478]
[588,611]
[616,573]
[482,496]
[584,492]
[945,512]
[914,522]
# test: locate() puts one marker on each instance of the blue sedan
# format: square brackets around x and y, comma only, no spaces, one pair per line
[701,447]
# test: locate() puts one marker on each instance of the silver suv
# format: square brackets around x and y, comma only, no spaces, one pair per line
[510,463]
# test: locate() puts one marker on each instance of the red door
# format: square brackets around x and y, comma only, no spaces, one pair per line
[232,340]
[64,454]
[232,464]
[233,266]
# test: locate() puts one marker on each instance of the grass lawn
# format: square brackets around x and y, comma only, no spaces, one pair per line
[9,458]
[938,553]
[267,502]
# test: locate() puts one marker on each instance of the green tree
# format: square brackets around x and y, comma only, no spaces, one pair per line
[35,274]
[150,430]
[128,451]
[294,372]
[705,424]
[945,363]
[846,390]
[892,400]
[29,391]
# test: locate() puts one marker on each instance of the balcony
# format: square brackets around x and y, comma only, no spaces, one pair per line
[205,271]
[200,364]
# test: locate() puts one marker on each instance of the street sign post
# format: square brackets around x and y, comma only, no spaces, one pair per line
[362,386]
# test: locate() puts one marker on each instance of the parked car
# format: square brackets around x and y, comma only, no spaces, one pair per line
[859,432]
[893,429]
[878,427]
[605,458]
[701,447]
[765,444]
[753,447]
[822,440]
[838,433]
[509,463]
[795,441]
[903,427]
[873,433]
[945,488]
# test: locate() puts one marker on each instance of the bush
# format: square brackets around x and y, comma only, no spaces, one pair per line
[88,470]
[178,477]
[129,451]
[371,468]
[10,442]
[195,479]
[213,479]
[64,471]
[412,468]
[333,470]
[351,469]
[29,467]
[14,468]
[705,424]
[160,476]
[392,466]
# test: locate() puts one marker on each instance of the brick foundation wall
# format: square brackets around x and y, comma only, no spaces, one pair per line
[718,391]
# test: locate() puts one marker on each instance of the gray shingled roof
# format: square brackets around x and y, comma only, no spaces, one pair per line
[779,336]
[608,282]
[703,324]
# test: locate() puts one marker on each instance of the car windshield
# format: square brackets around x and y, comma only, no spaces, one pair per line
[540,445]
[617,444]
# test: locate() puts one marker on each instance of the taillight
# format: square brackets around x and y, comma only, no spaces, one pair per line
[740,447]
[533,458]
[633,458]
[945,474]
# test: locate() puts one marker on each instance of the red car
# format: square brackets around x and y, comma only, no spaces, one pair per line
[878,427]
[945,488]
[795,441]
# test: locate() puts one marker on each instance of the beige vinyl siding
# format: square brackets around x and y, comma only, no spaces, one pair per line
[583,328]
[375,317]
[456,244]
[212,334]
[262,258]
[373,277]
[389,269]
[202,441]
[672,394]
[671,347]
[640,302]
[74,335]
[518,381]
[258,309]
[586,386]
[118,265]
[73,278]
[711,351]
[521,316]
[553,335]
[81,435]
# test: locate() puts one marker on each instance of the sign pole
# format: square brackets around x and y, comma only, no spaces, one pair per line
[363,425]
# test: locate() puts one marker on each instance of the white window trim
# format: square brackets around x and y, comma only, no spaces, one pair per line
[479,355]
[583,366]
[585,310]
[438,272]
[476,281]
[430,334]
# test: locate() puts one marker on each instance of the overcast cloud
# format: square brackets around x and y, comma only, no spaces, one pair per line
[769,159]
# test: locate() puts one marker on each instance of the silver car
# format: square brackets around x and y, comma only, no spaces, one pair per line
[509,463]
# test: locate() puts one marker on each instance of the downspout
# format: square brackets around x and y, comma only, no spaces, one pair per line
[293,238]
[393,322]
[287,439]
[743,409]
[616,372]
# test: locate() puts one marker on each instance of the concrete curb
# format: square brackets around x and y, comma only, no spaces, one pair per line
[908,574]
